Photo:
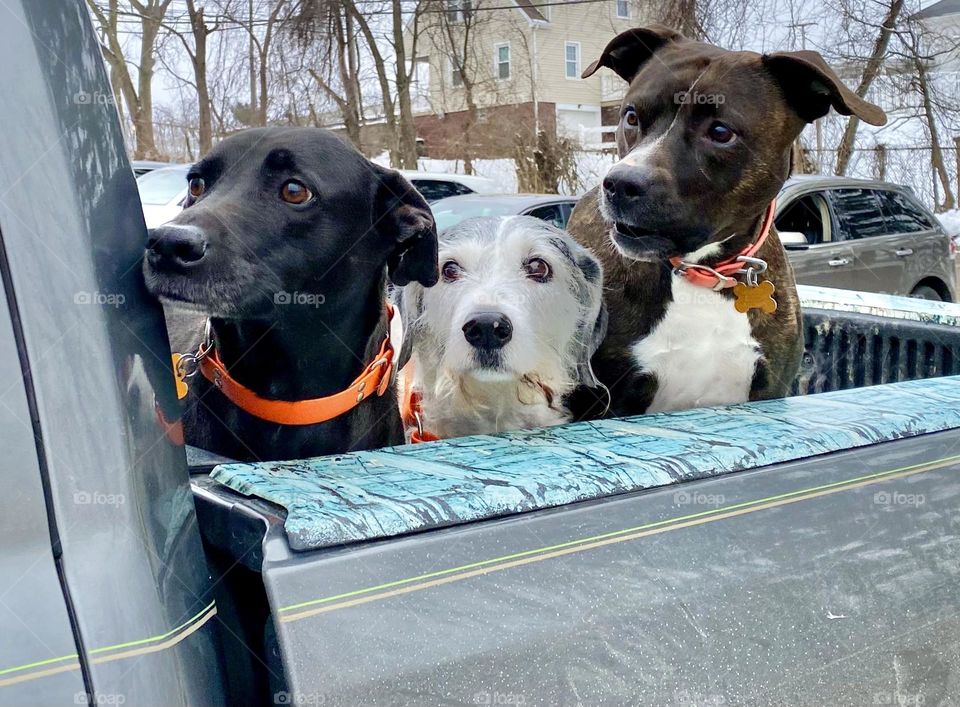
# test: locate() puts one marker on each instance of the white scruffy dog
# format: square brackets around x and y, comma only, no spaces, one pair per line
[508,332]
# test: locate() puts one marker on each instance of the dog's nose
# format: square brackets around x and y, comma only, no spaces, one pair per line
[629,182]
[178,245]
[488,330]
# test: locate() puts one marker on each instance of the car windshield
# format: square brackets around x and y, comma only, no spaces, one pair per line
[161,186]
[450,214]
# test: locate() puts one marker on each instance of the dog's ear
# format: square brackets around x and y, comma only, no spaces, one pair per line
[811,87]
[593,322]
[630,50]
[405,219]
[409,303]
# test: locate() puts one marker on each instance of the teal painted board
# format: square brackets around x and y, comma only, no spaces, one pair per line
[378,494]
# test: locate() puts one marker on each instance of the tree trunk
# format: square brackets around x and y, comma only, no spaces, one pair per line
[407,137]
[199,60]
[380,66]
[936,154]
[870,72]
[143,119]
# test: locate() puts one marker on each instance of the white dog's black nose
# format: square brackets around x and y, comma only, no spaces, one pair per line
[179,246]
[488,330]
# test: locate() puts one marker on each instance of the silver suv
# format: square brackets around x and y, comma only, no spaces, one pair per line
[864,235]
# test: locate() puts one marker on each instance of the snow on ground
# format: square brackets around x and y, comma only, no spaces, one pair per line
[950,221]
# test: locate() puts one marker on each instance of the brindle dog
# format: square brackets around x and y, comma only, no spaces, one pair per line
[704,140]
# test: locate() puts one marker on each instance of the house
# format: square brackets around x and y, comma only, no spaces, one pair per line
[495,72]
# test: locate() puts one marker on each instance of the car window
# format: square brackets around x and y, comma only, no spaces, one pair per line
[858,213]
[902,215]
[551,213]
[436,189]
[808,215]
[161,186]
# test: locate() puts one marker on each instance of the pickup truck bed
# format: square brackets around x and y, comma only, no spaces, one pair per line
[620,561]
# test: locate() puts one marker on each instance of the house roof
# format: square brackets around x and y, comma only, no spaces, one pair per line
[530,10]
[939,9]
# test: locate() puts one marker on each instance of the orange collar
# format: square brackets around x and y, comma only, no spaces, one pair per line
[412,410]
[723,275]
[375,377]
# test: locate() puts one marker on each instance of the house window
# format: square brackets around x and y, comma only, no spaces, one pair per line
[623,9]
[456,78]
[458,10]
[572,59]
[502,68]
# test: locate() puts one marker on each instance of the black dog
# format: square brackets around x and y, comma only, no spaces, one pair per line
[682,222]
[284,243]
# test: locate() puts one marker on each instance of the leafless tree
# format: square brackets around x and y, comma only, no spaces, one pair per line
[137,93]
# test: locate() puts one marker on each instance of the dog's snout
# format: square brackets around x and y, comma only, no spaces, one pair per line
[630,183]
[488,330]
[177,245]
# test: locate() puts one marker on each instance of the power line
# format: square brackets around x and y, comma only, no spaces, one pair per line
[131,17]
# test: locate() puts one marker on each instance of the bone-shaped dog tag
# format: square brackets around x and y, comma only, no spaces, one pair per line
[179,377]
[759,297]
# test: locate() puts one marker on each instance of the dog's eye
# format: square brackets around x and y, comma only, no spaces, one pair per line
[537,269]
[451,271]
[294,192]
[720,133]
[196,186]
[631,118]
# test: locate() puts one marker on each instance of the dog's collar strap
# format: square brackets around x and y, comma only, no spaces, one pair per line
[375,378]
[412,415]
[723,275]
[411,412]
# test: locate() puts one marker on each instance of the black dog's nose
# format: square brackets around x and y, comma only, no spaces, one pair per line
[488,330]
[178,245]
[629,182]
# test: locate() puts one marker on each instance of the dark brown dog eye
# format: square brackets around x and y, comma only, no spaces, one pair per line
[538,269]
[294,192]
[196,186]
[720,133]
[451,271]
[631,118]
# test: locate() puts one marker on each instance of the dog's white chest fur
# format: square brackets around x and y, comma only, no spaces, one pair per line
[702,352]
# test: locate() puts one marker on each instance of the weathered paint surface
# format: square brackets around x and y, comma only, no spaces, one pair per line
[369,495]
[906,308]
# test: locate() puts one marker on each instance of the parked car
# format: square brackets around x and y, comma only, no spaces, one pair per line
[435,186]
[551,208]
[865,235]
[142,167]
[162,192]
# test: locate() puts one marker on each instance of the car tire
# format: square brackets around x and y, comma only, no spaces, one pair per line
[926,292]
